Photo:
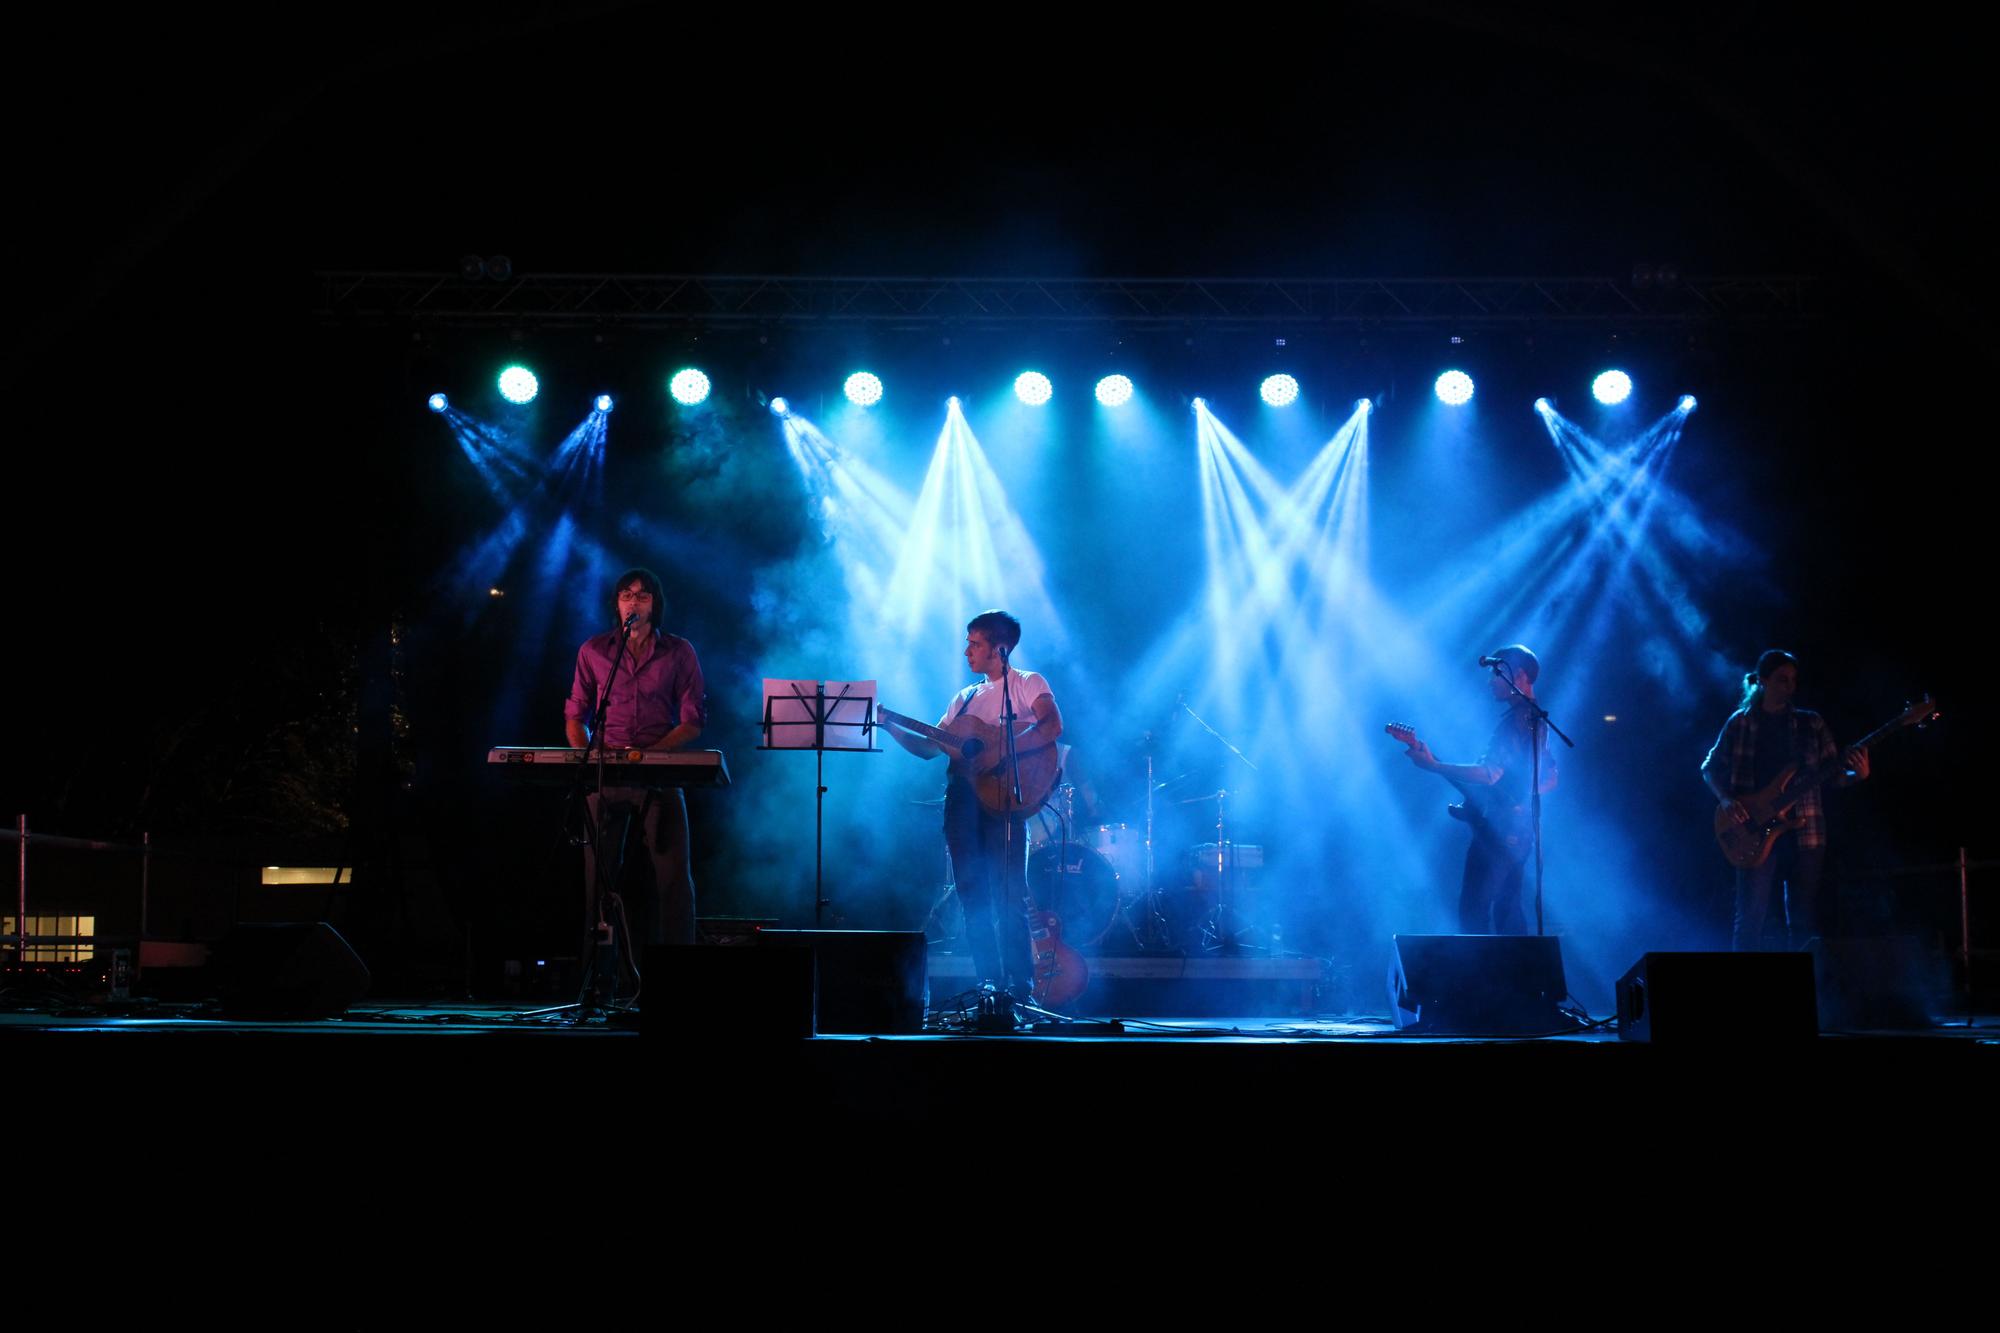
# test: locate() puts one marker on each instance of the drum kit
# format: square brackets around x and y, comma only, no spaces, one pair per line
[1117,897]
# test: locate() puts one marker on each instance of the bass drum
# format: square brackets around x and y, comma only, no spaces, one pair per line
[1083,892]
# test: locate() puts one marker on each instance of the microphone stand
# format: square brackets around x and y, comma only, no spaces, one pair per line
[607,874]
[1540,719]
[1014,803]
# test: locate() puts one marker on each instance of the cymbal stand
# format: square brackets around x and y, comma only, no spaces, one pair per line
[1224,930]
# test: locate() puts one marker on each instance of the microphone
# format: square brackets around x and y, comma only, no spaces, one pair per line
[1491,662]
[630,621]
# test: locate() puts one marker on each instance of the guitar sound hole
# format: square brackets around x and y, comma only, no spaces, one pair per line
[972,748]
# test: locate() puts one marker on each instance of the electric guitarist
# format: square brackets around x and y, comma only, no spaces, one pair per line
[1497,791]
[1763,737]
[989,846]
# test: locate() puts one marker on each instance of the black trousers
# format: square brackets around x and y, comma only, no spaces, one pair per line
[1489,893]
[989,863]
[659,838]
[1797,919]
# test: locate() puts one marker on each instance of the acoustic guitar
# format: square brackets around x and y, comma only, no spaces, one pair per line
[977,752]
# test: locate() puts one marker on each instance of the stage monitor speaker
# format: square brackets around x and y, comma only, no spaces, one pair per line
[1718,997]
[287,969]
[718,992]
[1896,981]
[869,980]
[1478,985]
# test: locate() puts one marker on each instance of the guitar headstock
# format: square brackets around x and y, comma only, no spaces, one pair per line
[1401,732]
[1919,714]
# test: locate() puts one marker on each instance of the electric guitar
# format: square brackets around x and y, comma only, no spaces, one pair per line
[1746,845]
[978,753]
[1060,972]
[1504,827]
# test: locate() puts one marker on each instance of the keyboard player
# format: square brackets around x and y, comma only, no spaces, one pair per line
[657,701]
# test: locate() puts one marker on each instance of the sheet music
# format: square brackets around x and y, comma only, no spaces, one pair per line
[790,708]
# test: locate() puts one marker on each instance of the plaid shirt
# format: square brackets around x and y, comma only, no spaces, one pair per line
[1801,733]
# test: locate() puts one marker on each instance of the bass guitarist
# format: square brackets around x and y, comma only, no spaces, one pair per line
[1498,790]
[989,848]
[1763,737]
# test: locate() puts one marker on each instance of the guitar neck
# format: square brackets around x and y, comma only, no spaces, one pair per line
[950,742]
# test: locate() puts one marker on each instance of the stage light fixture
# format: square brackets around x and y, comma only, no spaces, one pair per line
[779,407]
[1687,402]
[952,402]
[519,385]
[1543,406]
[1365,406]
[1612,387]
[1114,391]
[604,402]
[863,389]
[1033,388]
[439,402]
[1199,404]
[689,387]
[1279,390]
[1453,388]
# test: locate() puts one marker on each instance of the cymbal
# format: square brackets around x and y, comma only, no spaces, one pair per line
[938,802]
[1205,796]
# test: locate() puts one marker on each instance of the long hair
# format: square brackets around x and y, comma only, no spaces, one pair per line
[1753,680]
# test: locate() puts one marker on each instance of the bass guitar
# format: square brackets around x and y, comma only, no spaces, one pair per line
[1772,814]
[977,752]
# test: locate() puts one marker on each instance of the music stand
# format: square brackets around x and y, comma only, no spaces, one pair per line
[819,716]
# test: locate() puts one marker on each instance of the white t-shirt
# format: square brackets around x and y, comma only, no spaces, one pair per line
[1027,686]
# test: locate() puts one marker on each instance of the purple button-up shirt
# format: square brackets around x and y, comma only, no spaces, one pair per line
[666,690]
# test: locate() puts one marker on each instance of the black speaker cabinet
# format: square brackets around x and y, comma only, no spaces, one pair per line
[1718,997]
[289,969]
[1894,982]
[869,980]
[1478,985]
[723,993]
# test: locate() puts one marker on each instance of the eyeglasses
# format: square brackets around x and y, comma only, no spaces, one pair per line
[629,596]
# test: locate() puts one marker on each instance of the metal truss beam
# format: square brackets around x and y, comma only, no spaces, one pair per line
[708,301]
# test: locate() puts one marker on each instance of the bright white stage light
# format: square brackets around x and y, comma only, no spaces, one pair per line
[1453,388]
[1612,387]
[863,389]
[1033,388]
[1199,404]
[519,385]
[1279,390]
[604,402]
[1114,391]
[1366,405]
[780,407]
[1543,406]
[439,402]
[689,387]
[1687,402]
